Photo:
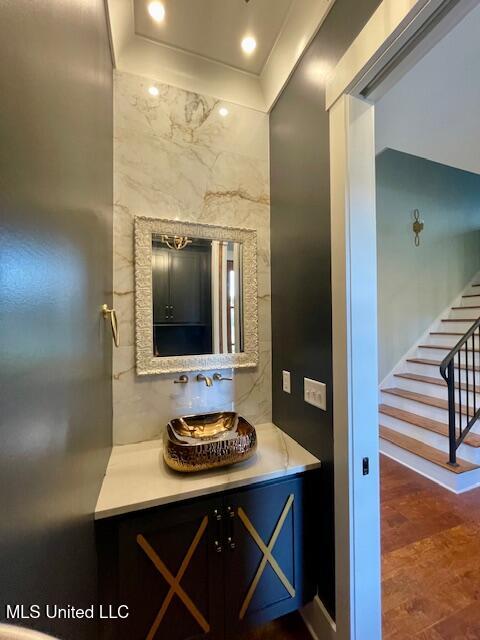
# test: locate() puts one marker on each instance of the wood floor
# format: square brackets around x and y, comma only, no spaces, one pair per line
[430,558]
[430,563]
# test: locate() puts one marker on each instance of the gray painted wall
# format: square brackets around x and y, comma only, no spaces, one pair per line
[300,244]
[416,284]
[55,272]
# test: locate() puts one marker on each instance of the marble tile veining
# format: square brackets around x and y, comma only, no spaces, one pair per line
[176,157]
[137,477]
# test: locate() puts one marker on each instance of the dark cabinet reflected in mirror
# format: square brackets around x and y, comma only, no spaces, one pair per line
[196,295]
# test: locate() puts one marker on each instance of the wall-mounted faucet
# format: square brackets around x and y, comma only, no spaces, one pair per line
[202,378]
[218,377]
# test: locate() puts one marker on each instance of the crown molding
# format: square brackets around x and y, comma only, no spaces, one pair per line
[170,65]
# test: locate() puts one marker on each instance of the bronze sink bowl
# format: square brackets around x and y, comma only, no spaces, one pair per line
[195,443]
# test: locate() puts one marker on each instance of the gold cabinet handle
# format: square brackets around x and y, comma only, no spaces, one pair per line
[112,314]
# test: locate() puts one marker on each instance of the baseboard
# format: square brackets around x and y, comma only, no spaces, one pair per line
[318,621]
[421,467]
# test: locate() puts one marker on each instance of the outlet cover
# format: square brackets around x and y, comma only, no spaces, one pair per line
[315,393]
[286,382]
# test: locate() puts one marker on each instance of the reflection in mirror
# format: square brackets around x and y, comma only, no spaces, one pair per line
[197,296]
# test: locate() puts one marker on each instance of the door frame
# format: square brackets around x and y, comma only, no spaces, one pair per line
[399,33]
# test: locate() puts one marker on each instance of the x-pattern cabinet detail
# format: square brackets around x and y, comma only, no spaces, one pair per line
[211,567]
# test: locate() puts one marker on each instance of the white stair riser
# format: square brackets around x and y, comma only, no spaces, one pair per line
[448,341]
[421,387]
[423,369]
[415,407]
[435,390]
[464,312]
[473,298]
[475,428]
[457,327]
[421,409]
[458,483]
[440,354]
[434,371]
[435,440]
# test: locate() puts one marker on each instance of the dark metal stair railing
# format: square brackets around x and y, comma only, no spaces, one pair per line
[462,416]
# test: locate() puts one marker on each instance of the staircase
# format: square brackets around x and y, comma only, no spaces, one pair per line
[414,403]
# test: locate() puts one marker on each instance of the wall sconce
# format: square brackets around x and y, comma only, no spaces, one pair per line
[418,226]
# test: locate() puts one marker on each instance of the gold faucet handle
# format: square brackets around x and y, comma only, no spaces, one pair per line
[218,377]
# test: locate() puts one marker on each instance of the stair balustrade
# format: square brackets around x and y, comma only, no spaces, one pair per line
[459,370]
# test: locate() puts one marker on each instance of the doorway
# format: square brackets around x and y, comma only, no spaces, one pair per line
[394,40]
[427,170]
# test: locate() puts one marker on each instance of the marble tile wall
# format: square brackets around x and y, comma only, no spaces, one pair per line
[176,157]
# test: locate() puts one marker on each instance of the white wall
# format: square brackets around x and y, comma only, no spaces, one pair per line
[433,111]
[176,157]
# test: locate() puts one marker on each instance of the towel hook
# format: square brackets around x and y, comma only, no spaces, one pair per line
[112,314]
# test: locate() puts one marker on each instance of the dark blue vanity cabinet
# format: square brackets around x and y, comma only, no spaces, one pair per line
[211,567]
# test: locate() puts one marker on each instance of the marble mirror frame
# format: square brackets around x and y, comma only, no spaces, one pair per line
[146,362]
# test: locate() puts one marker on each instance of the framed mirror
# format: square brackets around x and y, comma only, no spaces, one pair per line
[195,296]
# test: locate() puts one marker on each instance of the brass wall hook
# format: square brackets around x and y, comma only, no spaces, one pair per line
[112,314]
[417,226]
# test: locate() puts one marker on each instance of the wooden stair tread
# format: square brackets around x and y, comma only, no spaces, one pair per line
[472,320]
[465,307]
[440,382]
[419,378]
[437,363]
[446,333]
[425,451]
[431,401]
[475,285]
[472,439]
[471,295]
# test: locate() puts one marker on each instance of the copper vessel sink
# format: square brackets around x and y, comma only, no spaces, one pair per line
[195,443]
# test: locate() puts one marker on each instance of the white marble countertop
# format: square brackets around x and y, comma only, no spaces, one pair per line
[137,477]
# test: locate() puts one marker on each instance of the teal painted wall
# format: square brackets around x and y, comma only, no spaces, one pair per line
[416,284]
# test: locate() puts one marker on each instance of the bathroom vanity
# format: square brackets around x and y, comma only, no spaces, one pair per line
[207,555]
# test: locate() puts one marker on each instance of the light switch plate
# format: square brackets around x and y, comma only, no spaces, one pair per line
[315,393]
[286,382]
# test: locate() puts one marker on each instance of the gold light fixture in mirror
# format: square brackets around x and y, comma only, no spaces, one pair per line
[176,242]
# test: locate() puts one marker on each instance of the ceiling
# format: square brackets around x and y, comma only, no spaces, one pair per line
[433,111]
[198,45]
[214,29]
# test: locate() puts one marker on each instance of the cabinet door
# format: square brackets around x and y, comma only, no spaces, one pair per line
[268,559]
[170,573]
[160,284]
[190,293]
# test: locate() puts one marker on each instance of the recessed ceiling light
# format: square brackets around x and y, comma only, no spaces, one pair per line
[249,44]
[153,91]
[157,11]
[223,111]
